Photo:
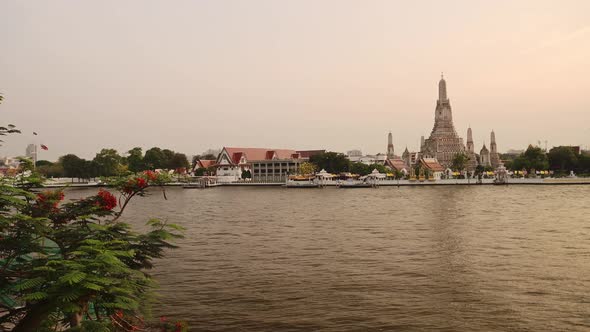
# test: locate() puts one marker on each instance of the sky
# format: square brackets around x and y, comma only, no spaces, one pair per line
[307,74]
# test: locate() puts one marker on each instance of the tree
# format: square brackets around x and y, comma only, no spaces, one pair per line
[584,163]
[168,156]
[332,162]
[178,161]
[135,160]
[154,159]
[379,167]
[64,263]
[246,174]
[460,161]
[43,163]
[562,158]
[55,170]
[107,161]
[307,168]
[532,158]
[359,168]
[72,165]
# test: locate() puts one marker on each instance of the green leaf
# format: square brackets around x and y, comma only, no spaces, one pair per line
[36,296]
[29,283]
[73,277]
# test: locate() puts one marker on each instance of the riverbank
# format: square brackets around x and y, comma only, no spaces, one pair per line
[398,183]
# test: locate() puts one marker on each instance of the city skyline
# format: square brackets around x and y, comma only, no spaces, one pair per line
[219,74]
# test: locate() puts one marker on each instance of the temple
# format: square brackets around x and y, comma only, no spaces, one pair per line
[444,142]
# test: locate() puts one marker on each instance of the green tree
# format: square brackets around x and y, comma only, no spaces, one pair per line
[72,165]
[43,163]
[584,163]
[460,161]
[135,160]
[246,174]
[55,170]
[380,168]
[154,159]
[359,168]
[65,262]
[332,162]
[107,162]
[562,158]
[178,161]
[532,158]
[168,156]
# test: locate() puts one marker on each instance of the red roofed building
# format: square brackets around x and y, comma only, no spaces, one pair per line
[265,165]
[433,166]
[397,164]
[203,164]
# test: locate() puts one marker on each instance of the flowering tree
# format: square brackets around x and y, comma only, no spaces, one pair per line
[75,264]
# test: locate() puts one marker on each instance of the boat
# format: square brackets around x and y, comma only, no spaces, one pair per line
[368,181]
[301,182]
[202,183]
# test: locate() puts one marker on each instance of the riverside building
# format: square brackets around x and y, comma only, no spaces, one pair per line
[261,164]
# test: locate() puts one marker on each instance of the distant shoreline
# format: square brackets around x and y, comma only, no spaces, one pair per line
[384,183]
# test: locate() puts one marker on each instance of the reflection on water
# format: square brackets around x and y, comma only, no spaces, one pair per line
[450,258]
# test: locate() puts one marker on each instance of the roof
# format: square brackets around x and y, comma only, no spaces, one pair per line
[207,163]
[396,164]
[252,154]
[309,153]
[432,164]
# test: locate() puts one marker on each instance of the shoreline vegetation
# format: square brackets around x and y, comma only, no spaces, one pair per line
[74,265]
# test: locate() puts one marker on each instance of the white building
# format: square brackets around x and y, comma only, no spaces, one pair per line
[31,152]
[266,165]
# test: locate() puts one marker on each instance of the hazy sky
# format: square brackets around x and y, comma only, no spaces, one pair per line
[336,75]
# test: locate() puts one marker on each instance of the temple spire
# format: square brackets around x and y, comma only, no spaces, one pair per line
[470,146]
[390,152]
[442,89]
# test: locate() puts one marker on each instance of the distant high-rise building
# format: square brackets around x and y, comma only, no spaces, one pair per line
[444,142]
[31,152]
[390,153]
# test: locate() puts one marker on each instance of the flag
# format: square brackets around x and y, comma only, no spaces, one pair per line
[44,147]
[34,133]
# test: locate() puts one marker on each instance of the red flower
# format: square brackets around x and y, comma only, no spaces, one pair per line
[151,175]
[163,319]
[141,183]
[119,313]
[178,326]
[48,201]
[106,200]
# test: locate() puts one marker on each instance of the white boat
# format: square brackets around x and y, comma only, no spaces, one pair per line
[301,182]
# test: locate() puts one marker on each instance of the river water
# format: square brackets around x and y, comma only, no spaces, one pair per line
[456,258]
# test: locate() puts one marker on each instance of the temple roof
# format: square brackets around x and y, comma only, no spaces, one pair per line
[432,164]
